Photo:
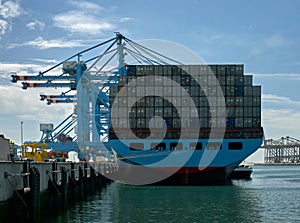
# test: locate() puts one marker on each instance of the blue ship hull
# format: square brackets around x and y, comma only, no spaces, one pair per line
[202,166]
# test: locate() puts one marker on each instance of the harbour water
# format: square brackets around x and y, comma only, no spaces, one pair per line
[273,195]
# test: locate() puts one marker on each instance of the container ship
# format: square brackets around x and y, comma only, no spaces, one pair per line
[197,142]
[193,124]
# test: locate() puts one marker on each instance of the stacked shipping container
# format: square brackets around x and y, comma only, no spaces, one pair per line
[242,99]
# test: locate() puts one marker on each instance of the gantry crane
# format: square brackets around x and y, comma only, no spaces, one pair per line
[284,150]
[88,81]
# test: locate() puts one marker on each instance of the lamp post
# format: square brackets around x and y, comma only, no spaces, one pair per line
[21,133]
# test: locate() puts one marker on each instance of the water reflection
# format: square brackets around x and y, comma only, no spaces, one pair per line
[186,204]
[124,203]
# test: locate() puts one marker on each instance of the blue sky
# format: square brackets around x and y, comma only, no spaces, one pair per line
[262,34]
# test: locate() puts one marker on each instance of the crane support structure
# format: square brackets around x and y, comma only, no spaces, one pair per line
[88,76]
[284,150]
[91,97]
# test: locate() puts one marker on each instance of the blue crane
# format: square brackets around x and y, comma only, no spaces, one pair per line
[88,82]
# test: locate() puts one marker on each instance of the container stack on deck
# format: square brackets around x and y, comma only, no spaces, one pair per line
[242,99]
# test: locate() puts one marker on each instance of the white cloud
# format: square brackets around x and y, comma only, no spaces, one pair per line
[36,25]
[280,117]
[272,42]
[19,104]
[270,98]
[282,76]
[84,5]
[81,22]
[275,41]
[41,43]
[6,69]
[257,51]
[4,27]
[10,9]
[281,122]
[125,19]
[86,18]
[45,60]
[16,98]
[24,105]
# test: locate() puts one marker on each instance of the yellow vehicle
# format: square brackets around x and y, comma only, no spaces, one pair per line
[35,151]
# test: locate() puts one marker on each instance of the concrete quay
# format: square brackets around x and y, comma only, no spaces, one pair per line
[35,186]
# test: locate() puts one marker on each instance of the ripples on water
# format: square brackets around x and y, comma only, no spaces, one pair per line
[273,195]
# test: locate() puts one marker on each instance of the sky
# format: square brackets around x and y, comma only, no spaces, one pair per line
[262,34]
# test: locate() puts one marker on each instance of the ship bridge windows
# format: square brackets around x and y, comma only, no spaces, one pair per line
[214,145]
[235,145]
[175,146]
[195,145]
[158,147]
[136,146]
